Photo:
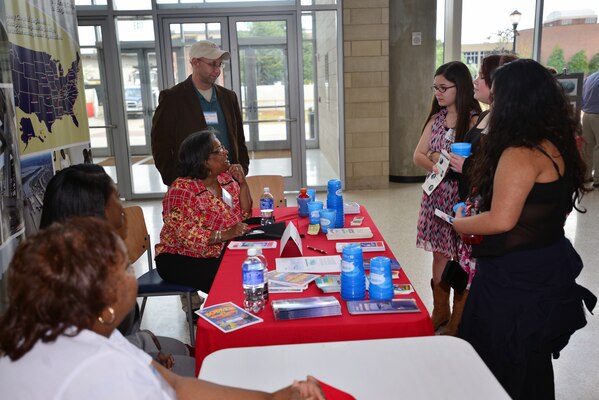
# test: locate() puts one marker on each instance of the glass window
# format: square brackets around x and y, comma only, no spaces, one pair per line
[132,4]
[570,33]
[90,2]
[317,2]
[487,27]
[321,105]
[440,33]
[232,3]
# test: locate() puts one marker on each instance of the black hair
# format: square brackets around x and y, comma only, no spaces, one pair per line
[529,106]
[193,154]
[457,73]
[78,190]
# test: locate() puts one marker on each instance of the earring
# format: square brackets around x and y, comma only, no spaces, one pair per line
[112,317]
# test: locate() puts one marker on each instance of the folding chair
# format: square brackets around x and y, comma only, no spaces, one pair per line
[275,183]
[137,239]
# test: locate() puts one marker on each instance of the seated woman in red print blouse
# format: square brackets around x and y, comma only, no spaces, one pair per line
[202,209]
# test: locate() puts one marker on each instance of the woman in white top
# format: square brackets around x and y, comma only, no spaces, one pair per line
[69,288]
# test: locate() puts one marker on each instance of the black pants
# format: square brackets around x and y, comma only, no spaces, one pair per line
[190,271]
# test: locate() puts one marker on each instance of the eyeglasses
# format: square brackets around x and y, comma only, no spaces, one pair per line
[440,89]
[214,64]
[219,150]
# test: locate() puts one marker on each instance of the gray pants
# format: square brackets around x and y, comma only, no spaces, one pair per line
[185,363]
[590,133]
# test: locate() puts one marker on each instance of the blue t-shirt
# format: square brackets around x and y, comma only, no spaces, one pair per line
[220,127]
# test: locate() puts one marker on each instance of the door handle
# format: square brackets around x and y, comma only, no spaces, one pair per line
[255,121]
[103,126]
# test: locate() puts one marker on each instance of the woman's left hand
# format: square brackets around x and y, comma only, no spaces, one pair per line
[456,162]
[236,171]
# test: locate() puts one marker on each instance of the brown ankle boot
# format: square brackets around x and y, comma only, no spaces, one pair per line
[441,313]
[451,329]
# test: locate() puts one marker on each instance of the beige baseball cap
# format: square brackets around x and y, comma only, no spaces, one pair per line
[209,50]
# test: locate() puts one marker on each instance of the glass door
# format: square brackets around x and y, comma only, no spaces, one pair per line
[265,50]
[262,71]
[104,100]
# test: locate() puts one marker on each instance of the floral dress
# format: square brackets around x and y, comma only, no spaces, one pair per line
[434,234]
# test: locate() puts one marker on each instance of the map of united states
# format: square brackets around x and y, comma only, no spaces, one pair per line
[42,88]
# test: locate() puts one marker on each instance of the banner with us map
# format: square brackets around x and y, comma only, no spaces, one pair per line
[47,74]
[48,93]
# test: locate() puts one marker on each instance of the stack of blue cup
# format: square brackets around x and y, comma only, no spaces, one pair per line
[335,201]
[353,284]
[381,284]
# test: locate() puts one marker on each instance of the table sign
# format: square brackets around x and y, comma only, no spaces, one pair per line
[293,247]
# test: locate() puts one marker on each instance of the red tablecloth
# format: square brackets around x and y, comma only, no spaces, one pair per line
[227,287]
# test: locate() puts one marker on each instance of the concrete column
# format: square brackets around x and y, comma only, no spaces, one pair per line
[411,70]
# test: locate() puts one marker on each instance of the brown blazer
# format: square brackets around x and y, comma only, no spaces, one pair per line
[179,114]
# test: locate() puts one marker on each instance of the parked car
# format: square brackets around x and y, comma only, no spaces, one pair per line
[133,100]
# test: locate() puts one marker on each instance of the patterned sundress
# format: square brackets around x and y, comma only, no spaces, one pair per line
[434,234]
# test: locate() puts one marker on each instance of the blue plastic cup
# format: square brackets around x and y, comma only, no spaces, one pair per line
[314,208]
[312,194]
[353,284]
[381,284]
[461,148]
[327,219]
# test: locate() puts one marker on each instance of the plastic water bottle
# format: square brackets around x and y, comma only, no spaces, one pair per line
[265,263]
[267,204]
[252,271]
[302,202]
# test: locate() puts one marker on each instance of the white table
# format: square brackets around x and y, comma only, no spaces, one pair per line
[432,367]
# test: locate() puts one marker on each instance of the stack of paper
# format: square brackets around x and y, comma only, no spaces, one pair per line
[329,283]
[307,307]
[285,282]
[366,246]
[382,306]
[349,233]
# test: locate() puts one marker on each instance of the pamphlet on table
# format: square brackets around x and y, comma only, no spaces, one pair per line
[366,246]
[324,264]
[228,317]
[382,306]
[306,307]
[349,233]
[291,278]
[329,283]
[234,245]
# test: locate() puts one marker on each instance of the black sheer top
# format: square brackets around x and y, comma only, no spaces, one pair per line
[541,222]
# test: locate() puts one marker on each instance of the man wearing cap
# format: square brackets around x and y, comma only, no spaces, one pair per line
[197,104]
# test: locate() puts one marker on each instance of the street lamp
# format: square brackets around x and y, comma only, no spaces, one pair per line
[515,18]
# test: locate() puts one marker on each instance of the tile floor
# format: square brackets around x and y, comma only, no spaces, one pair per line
[395,210]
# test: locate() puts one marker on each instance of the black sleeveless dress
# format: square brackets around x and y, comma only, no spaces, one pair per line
[524,302]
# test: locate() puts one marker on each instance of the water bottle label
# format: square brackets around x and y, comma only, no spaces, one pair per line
[255,277]
[266,204]
[325,222]
[377,279]
[339,192]
[347,266]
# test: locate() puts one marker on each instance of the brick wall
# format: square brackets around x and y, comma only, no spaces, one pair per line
[366,85]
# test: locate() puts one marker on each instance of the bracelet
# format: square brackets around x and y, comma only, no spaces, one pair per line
[217,236]
[429,154]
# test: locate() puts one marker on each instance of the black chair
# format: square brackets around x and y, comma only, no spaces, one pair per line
[137,239]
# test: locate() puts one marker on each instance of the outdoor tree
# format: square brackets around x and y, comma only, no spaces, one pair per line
[439,53]
[578,62]
[556,59]
[269,60]
[594,64]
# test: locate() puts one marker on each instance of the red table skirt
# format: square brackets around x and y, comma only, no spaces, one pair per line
[227,287]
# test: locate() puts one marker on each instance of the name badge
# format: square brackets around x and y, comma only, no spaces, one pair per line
[211,117]
[227,198]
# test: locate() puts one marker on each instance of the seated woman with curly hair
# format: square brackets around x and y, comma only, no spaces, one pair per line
[70,286]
